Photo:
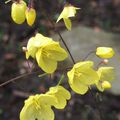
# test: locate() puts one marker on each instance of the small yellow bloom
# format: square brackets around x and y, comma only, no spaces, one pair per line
[68,11]
[106,75]
[18,11]
[106,85]
[38,107]
[61,95]
[46,51]
[82,76]
[30,14]
[105,52]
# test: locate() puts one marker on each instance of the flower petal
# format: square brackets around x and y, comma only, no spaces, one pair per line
[106,73]
[31,49]
[79,88]
[48,65]
[83,65]
[55,52]
[88,76]
[61,91]
[68,23]
[41,40]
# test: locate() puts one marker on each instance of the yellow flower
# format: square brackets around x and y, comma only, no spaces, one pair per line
[61,95]
[106,75]
[68,11]
[18,11]
[30,16]
[38,107]
[46,51]
[82,76]
[105,52]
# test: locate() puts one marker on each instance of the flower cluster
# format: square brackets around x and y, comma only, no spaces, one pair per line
[48,53]
[82,76]
[39,106]
[20,12]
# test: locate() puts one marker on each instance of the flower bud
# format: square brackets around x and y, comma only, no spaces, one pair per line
[24,49]
[30,16]
[105,52]
[106,85]
[105,61]
[18,11]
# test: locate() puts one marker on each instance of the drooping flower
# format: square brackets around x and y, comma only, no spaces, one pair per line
[61,95]
[82,76]
[18,11]
[46,51]
[106,75]
[38,107]
[68,11]
[105,52]
[30,14]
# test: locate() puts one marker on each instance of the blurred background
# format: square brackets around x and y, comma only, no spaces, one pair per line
[96,24]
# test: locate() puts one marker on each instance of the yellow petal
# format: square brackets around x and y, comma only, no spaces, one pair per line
[68,23]
[105,52]
[79,88]
[88,76]
[41,40]
[60,102]
[30,16]
[18,12]
[106,73]
[48,65]
[61,91]
[46,114]
[31,49]
[55,52]
[71,75]
[83,65]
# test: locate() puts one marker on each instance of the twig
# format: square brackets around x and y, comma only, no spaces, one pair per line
[96,104]
[21,94]
[88,55]
[18,77]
